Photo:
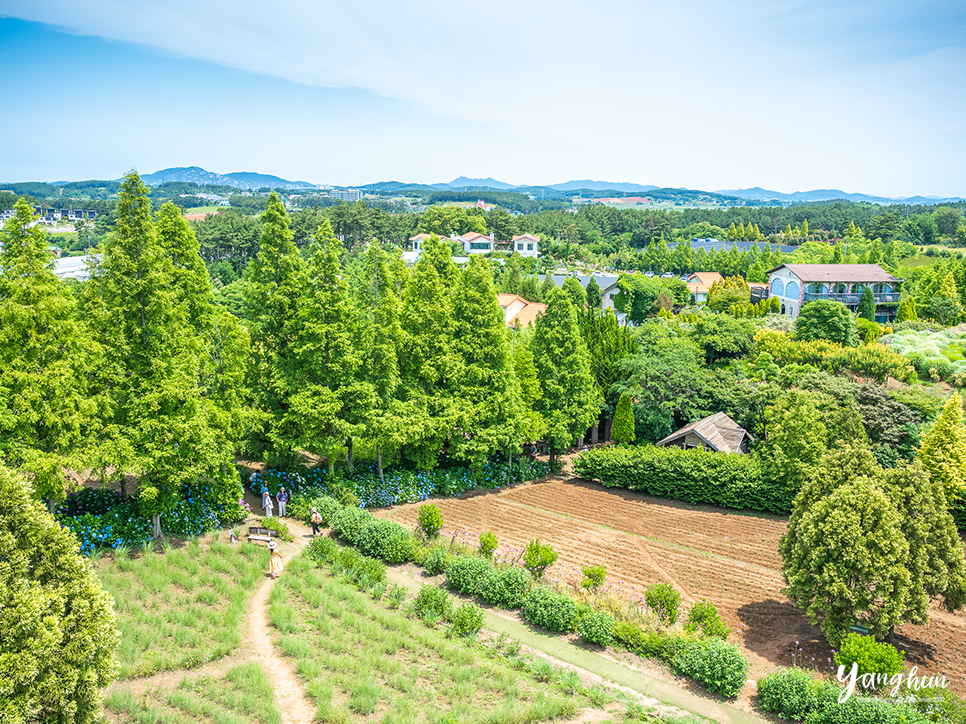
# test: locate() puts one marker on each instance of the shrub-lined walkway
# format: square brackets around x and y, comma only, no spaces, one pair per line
[592,663]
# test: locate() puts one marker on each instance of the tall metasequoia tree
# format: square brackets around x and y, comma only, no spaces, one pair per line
[158,425]
[388,421]
[491,413]
[322,381]
[277,279]
[427,362]
[570,400]
[47,414]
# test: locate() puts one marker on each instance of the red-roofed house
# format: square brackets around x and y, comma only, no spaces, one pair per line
[518,312]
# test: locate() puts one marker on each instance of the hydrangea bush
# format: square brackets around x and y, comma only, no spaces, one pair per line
[400,485]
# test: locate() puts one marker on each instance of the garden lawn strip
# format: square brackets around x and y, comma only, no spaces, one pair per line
[559,648]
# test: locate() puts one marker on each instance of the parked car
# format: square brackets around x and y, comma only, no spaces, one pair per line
[667,275]
[649,274]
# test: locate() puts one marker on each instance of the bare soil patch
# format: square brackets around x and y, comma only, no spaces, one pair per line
[731,558]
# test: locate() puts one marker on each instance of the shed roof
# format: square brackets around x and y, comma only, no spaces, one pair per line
[719,431]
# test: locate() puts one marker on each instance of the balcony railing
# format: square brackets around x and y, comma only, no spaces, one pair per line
[852,300]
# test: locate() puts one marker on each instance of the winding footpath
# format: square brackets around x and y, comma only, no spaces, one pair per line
[259,644]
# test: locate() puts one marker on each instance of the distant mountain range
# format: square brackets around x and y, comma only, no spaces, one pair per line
[759,194]
[585,185]
[561,191]
[238,179]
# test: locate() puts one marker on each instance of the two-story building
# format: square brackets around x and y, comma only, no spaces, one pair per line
[526,245]
[475,243]
[796,284]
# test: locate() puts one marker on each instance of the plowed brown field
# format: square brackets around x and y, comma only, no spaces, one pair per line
[730,558]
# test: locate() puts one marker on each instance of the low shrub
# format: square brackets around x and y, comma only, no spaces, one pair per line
[537,558]
[464,574]
[551,610]
[650,644]
[506,588]
[385,540]
[345,559]
[322,549]
[694,476]
[718,665]
[467,620]
[367,572]
[869,655]
[594,577]
[432,599]
[488,543]
[703,618]
[436,560]
[597,628]
[664,601]
[790,693]
[430,520]
[300,507]
[349,522]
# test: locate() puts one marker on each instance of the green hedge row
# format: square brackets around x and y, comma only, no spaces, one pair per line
[694,476]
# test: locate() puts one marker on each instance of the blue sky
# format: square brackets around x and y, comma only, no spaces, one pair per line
[862,96]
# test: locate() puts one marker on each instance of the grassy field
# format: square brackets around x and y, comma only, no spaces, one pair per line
[409,671]
[180,608]
[243,696]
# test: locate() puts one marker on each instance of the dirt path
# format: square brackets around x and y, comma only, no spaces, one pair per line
[293,705]
[256,645]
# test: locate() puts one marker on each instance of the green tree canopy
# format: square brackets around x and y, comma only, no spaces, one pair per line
[867,304]
[870,545]
[569,399]
[48,410]
[723,337]
[593,293]
[943,450]
[826,319]
[731,290]
[491,413]
[578,297]
[58,629]
[623,428]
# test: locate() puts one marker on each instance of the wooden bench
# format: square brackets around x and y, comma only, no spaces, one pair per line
[261,534]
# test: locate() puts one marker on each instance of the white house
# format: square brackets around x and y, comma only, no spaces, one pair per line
[796,284]
[475,243]
[526,245]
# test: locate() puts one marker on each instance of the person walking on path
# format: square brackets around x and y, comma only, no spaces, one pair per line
[274,559]
[316,521]
[282,498]
[267,504]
